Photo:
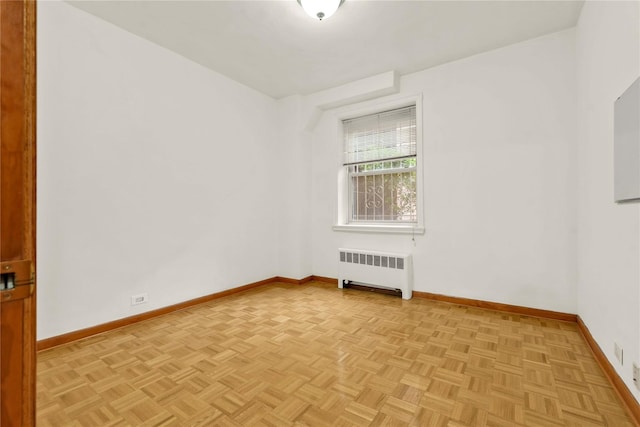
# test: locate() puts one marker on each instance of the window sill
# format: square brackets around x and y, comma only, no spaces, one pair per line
[379,228]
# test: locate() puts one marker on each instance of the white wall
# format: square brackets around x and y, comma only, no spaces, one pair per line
[499,178]
[154,175]
[608,59]
[294,181]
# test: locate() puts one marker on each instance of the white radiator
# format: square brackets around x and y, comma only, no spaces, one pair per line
[378,269]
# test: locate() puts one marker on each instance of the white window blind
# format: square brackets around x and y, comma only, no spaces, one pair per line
[388,135]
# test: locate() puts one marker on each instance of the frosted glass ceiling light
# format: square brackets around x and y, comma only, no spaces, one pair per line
[320,9]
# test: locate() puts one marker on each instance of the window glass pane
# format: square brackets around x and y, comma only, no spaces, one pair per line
[384,197]
[388,165]
[380,153]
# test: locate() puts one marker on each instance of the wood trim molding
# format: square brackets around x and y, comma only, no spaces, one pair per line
[293,281]
[30,128]
[516,309]
[109,326]
[628,400]
[18,225]
[323,279]
[307,279]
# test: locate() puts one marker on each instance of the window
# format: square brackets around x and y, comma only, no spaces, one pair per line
[380,158]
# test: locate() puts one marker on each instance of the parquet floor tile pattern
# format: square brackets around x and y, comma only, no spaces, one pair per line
[315,355]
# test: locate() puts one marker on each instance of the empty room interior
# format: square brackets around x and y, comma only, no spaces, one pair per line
[260,161]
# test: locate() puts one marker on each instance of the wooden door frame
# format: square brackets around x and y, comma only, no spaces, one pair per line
[15,38]
[30,70]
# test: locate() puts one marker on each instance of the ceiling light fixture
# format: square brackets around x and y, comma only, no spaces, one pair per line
[320,9]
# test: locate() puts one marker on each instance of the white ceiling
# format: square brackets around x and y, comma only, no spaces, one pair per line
[275,48]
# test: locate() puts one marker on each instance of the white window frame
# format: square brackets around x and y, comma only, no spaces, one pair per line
[342,220]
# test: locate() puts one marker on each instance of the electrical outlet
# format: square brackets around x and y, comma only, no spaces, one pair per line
[139,299]
[636,375]
[617,350]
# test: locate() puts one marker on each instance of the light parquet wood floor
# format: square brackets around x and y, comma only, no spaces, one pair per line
[315,355]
